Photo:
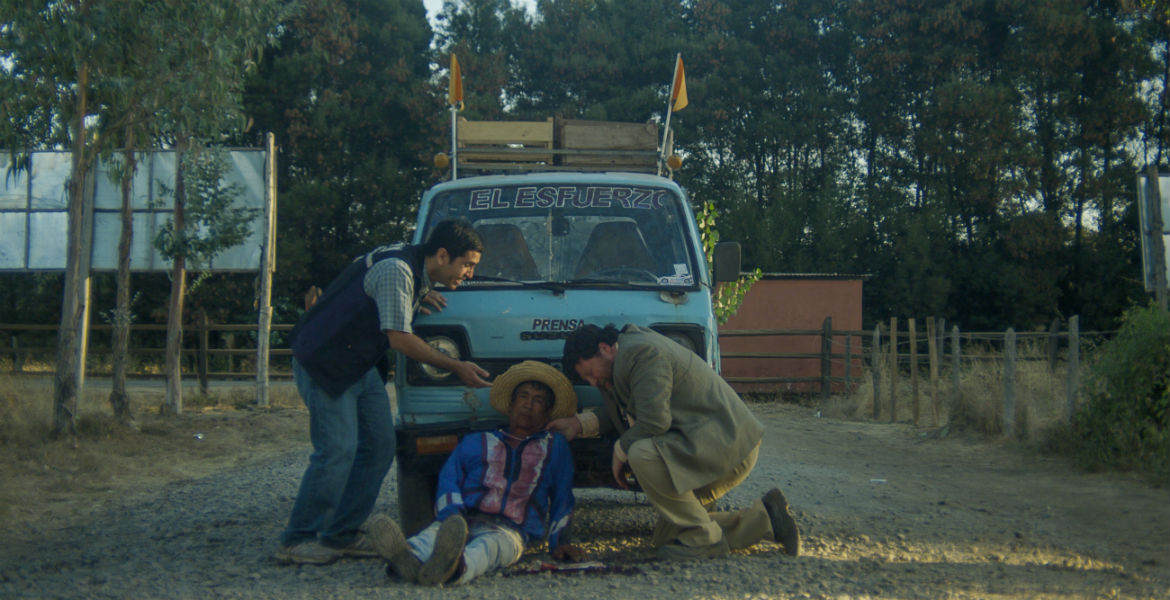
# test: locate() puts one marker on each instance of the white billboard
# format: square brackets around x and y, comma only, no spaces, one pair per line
[34,213]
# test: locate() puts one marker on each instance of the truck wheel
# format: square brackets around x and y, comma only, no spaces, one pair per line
[416,499]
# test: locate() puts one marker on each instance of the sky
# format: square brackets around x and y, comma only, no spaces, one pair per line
[434,7]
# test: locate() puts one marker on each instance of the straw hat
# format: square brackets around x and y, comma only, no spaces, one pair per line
[565,404]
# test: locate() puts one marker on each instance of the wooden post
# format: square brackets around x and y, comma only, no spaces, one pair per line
[956,397]
[201,359]
[940,325]
[17,359]
[1157,249]
[1053,343]
[826,358]
[893,369]
[912,333]
[932,353]
[1009,382]
[229,342]
[849,364]
[267,268]
[875,367]
[1074,365]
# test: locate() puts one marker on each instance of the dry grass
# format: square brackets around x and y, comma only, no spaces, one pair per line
[1041,399]
[51,483]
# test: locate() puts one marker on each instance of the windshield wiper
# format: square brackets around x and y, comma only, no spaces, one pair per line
[553,286]
[603,281]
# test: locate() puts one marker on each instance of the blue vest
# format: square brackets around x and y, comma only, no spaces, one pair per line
[340,337]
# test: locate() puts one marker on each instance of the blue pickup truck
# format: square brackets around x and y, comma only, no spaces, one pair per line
[564,246]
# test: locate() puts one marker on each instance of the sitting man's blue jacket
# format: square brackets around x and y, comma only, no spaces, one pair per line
[531,486]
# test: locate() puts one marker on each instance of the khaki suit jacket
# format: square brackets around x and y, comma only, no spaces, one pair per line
[696,421]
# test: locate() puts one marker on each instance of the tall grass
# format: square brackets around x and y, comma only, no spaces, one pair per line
[976,406]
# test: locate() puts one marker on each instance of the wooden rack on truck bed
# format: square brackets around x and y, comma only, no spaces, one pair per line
[556,144]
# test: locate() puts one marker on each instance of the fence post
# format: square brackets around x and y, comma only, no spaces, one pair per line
[1053,343]
[229,342]
[932,353]
[826,357]
[849,364]
[17,359]
[1074,365]
[912,333]
[953,403]
[893,369]
[1009,382]
[875,367]
[201,360]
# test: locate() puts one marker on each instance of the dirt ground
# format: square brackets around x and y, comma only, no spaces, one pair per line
[887,510]
[967,515]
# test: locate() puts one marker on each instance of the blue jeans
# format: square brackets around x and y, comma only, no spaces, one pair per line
[353,448]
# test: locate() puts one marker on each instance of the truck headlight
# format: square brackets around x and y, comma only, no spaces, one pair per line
[445,345]
[682,339]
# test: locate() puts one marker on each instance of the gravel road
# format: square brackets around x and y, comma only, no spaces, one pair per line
[887,511]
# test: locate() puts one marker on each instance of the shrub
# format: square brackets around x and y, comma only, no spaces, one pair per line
[1126,421]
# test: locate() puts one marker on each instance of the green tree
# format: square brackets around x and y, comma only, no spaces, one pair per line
[604,60]
[348,94]
[53,53]
[487,36]
[204,103]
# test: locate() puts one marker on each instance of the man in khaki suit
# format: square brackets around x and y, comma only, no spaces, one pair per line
[685,434]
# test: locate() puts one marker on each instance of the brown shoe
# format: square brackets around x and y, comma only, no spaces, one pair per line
[784,529]
[306,553]
[386,537]
[675,551]
[360,547]
[448,551]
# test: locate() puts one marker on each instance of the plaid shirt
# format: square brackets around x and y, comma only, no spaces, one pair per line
[390,283]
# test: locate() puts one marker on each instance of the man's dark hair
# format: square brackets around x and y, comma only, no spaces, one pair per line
[582,344]
[457,236]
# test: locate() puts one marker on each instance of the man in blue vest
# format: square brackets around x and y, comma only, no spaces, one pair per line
[340,368]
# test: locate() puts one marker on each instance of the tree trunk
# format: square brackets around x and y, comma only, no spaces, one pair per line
[65,379]
[119,402]
[174,397]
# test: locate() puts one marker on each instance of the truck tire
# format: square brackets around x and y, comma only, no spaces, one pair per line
[416,499]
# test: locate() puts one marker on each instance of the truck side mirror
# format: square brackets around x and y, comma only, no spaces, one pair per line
[727,261]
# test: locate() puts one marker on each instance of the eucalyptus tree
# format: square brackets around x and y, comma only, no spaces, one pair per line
[220,41]
[53,54]
[132,92]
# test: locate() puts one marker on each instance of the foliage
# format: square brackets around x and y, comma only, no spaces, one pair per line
[348,94]
[729,295]
[974,159]
[1126,421]
[212,223]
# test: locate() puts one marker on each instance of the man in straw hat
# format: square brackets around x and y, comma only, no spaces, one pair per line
[686,435]
[497,490]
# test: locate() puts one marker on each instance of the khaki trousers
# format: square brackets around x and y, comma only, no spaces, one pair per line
[683,516]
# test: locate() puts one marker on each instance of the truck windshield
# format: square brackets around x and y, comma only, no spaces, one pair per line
[586,234]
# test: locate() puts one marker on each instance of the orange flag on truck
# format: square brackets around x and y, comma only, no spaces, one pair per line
[455,92]
[678,89]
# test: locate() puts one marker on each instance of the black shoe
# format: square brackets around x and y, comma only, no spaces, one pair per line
[681,552]
[784,527]
[445,558]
